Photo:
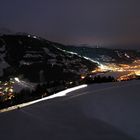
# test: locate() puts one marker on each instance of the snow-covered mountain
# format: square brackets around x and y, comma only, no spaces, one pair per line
[37,59]
[106,55]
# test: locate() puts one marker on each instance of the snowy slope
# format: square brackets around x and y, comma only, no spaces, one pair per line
[107,111]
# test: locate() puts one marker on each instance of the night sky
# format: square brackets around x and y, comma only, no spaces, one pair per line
[103,22]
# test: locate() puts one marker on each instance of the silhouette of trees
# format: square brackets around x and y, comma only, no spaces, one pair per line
[99,79]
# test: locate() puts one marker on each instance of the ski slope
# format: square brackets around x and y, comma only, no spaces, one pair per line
[109,111]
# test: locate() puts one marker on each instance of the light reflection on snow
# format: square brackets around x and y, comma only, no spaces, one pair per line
[59,94]
[17,79]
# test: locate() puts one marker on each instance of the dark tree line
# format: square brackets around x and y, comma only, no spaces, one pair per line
[99,79]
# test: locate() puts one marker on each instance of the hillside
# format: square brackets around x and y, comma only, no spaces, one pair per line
[37,60]
[32,68]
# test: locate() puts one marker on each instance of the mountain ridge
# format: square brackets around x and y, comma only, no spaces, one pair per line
[22,53]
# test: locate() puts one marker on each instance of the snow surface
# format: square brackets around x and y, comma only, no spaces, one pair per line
[107,111]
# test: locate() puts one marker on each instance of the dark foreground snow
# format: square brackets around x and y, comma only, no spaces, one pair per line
[98,112]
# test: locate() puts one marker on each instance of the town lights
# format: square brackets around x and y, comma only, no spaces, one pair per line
[137,73]
[82,77]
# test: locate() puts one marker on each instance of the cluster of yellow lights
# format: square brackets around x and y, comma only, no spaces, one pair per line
[127,77]
[132,69]
[137,72]
[6,90]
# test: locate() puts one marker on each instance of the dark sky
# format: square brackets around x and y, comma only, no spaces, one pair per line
[105,22]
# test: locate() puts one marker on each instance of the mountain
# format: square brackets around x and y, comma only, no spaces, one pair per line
[106,55]
[38,60]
